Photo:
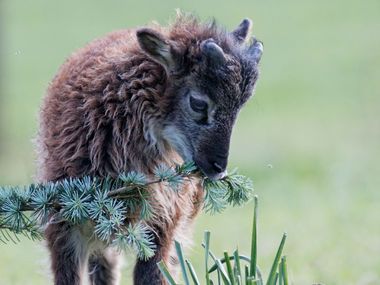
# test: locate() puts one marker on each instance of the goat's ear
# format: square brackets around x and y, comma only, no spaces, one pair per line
[157,47]
[242,31]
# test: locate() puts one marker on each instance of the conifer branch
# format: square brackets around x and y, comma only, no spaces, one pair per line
[110,204]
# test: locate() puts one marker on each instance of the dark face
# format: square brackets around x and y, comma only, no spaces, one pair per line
[208,98]
[200,129]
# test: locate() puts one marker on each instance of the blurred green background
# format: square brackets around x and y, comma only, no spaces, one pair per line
[310,138]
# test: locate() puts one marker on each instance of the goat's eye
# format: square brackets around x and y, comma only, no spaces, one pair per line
[198,105]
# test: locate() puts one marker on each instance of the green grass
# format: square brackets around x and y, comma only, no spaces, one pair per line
[309,139]
[228,269]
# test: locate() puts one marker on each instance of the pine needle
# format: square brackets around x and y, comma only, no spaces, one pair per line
[109,204]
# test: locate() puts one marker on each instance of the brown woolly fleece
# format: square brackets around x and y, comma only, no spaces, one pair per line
[102,115]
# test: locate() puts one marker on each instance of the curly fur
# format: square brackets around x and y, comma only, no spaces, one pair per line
[102,115]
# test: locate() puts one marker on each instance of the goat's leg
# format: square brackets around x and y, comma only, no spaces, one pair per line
[146,272]
[68,251]
[103,268]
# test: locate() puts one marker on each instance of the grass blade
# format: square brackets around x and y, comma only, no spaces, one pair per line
[246,269]
[280,275]
[281,272]
[192,273]
[237,267]
[223,272]
[230,272]
[238,280]
[284,270]
[276,278]
[207,252]
[241,257]
[181,259]
[272,274]
[164,270]
[254,240]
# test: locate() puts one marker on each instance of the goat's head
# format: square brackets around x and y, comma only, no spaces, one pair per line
[210,77]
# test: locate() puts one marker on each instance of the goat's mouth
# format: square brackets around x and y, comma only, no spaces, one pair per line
[210,170]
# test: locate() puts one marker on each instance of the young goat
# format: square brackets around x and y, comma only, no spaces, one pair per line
[130,101]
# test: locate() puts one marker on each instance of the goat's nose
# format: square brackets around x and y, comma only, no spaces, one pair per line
[217,167]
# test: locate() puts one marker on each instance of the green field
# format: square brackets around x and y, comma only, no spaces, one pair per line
[310,138]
